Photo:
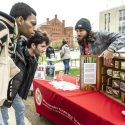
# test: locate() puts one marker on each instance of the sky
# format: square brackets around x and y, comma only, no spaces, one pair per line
[69,10]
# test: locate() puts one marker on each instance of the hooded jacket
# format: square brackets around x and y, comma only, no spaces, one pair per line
[8,28]
[8,69]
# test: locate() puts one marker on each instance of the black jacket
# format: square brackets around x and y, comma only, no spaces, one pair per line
[22,81]
[50,51]
[27,64]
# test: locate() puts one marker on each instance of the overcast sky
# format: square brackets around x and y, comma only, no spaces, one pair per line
[70,10]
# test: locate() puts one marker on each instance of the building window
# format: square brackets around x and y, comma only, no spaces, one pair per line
[109,21]
[123,29]
[105,21]
[120,18]
[122,21]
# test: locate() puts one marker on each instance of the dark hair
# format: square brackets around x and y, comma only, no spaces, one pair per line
[21,9]
[64,42]
[38,38]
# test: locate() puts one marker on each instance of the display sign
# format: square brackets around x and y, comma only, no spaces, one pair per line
[40,72]
[90,72]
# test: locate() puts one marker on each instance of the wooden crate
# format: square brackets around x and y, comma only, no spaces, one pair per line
[115,87]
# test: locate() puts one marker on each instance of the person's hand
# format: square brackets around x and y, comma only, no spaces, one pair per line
[108,56]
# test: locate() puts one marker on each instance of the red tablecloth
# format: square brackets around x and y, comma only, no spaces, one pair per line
[76,107]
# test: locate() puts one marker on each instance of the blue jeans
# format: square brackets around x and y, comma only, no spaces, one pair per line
[1,118]
[66,66]
[19,108]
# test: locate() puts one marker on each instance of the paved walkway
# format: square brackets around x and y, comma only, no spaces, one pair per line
[12,118]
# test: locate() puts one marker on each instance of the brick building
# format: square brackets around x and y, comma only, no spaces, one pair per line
[57,31]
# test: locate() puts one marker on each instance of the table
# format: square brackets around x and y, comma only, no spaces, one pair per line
[76,107]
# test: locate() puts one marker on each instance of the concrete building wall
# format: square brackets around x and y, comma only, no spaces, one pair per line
[109,20]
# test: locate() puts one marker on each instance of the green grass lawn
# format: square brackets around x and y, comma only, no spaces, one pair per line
[73,72]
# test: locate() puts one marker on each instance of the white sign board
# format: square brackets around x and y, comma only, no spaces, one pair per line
[90,73]
[40,72]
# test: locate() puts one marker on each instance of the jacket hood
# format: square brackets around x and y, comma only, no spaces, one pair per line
[10,23]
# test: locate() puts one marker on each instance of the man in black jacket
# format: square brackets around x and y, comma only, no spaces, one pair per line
[50,53]
[35,47]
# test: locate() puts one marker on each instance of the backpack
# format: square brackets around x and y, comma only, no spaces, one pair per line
[8,69]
